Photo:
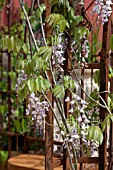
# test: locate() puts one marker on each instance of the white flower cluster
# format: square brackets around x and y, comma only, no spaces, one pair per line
[21,78]
[103,9]
[82,121]
[74,49]
[85,48]
[58,55]
[83,51]
[37,108]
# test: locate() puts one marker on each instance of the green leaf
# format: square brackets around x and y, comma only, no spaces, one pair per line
[57,20]
[41,64]
[42,84]
[3,156]
[103,126]
[38,86]
[31,85]
[18,44]
[46,84]
[5,41]
[21,64]
[69,83]
[47,54]
[22,92]
[12,43]
[110,75]
[112,117]
[111,42]
[17,125]
[16,113]
[3,109]
[25,48]
[40,10]
[91,132]
[95,134]
[53,2]
[43,50]
[23,125]
[59,91]
[12,74]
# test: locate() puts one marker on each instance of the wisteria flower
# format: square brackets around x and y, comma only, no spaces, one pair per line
[67,99]
[37,108]
[103,9]
[71,110]
[97,9]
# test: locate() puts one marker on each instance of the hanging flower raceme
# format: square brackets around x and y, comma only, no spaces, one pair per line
[21,78]
[103,9]
[58,61]
[37,108]
[79,127]
[58,55]
[85,48]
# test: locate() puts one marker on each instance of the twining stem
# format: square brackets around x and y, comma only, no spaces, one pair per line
[105,104]
[42,28]
[58,102]
[29,25]
[70,158]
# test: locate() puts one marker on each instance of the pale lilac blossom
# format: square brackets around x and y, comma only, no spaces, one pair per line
[67,99]
[71,110]
[103,9]
[37,108]
[72,102]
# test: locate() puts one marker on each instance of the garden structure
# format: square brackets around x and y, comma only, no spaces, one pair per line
[56,84]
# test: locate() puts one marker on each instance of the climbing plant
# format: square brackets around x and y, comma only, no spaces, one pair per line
[68,41]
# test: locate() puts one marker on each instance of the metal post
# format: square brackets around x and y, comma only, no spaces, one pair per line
[104,95]
[111,126]
[9,79]
[49,117]
[67,69]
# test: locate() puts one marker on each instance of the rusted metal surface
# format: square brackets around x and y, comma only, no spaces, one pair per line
[8,92]
[67,67]
[9,79]
[49,117]
[92,2]
[88,160]
[111,128]
[32,139]
[104,87]
[29,138]
[88,66]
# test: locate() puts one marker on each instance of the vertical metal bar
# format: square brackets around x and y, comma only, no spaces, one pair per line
[17,143]
[1,117]
[104,95]
[9,79]
[49,117]
[67,68]
[111,126]
[82,96]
